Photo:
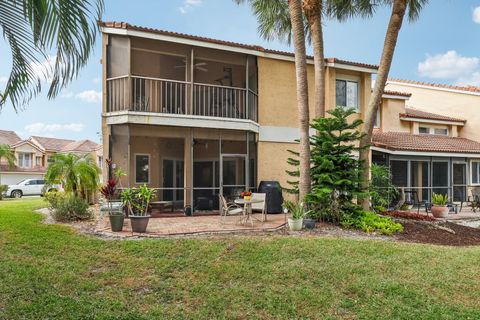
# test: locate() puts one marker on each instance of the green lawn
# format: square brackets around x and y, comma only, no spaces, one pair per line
[50,272]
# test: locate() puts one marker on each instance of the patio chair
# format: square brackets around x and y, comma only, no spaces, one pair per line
[413,200]
[229,209]
[474,198]
[260,206]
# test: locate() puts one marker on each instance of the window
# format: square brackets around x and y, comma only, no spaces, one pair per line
[441,131]
[24,160]
[423,130]
[346,94]
[100,161]
[377,119]
[142,168]
[475,172]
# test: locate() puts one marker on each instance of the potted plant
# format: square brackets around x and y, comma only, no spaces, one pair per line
[137,202]
[114,209]
[439,208]
[297,211]
[309,221]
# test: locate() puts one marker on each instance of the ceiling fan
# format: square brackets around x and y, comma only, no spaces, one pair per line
[197,66]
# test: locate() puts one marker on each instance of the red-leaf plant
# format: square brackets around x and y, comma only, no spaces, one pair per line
[108,191]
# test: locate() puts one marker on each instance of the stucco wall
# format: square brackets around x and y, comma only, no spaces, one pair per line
[458,105]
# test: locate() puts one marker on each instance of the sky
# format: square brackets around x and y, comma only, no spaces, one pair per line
[442,46]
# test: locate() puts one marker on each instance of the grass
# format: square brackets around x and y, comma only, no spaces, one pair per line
[50,272]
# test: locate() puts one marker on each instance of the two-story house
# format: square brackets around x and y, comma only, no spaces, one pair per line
[197,117]
[32,155]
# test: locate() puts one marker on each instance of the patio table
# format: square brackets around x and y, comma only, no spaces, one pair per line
[247,208]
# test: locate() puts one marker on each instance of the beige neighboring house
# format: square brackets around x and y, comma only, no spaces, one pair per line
[33,154]
[430,138]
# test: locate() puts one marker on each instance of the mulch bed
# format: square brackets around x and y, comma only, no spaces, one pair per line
[415,231]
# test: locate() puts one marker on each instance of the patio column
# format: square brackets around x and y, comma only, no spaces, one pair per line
[188,167]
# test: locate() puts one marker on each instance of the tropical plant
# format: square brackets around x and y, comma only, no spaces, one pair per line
[439,199]
[36,29]
[78,174]
[399,8]
[71,208]
[3,189]
[296,209]
[7,153]
[371,222]
[137,200]
[335,169]
[109,191]
[382,191]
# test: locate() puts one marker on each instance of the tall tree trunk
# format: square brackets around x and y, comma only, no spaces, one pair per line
[313,13]
[398,11]
[296,17]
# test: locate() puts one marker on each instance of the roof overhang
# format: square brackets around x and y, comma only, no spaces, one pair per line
[123,117]
[415,85]
[218,46]
[395,96]
[425,153]
[30,143]
[433,121]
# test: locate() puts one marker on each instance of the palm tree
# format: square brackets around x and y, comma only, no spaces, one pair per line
[7,153]
[78,173]
[35,29]
[296,18]
[399,8]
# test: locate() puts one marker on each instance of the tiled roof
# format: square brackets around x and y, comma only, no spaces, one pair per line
[81,146]
[9,137]
[52,144]
[404,141]
[128,26]
[415,113]
[397,93]
[438,85]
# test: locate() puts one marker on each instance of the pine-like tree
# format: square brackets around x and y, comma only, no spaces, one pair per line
[335,167]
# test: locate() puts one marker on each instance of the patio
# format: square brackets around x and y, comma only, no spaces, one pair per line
[204,224]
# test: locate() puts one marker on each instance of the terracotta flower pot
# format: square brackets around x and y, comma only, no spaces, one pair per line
[440,211]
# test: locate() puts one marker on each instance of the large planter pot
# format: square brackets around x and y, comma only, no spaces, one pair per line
[295,224]
[139,223]
[116,222]
[440,211]
[309,223]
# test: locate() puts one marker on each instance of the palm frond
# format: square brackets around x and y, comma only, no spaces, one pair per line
[36,28]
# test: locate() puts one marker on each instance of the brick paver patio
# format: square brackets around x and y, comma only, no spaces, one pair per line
[211,224]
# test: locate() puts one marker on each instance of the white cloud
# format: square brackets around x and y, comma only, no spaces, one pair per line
[90,96]
[471,80]
[44,70]
[3,79]
[46,128]
[449,65]
[189,4]
[66,94]
[476,15]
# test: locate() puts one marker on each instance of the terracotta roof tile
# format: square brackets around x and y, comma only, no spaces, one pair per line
[81,146]
[6,168]
[52,144]
[128,26]
[438,85]
[404,141]
[397,93]
[415,113]
[9,137]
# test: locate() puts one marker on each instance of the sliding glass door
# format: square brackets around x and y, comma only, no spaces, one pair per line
[440,177]
[459,180]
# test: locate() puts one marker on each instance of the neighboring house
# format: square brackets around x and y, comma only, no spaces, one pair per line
[33,155]
[430,138]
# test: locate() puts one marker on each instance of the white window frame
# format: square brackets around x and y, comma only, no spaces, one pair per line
[470,176]
[428,128]
[353,80]
[431,130]
[438,134]
[135,167]
[21,163]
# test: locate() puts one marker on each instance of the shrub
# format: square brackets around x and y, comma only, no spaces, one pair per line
[371,222]
[439,199]
[382,190]
[3,188]
[68,207]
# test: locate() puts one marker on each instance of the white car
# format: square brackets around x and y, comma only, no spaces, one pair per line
[28,187]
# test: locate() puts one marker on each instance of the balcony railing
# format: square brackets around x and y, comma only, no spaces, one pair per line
[176,97]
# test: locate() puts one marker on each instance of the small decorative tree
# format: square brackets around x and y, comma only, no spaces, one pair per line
[335,166]
[382,191]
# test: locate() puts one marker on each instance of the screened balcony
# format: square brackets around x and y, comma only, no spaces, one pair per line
[174,79]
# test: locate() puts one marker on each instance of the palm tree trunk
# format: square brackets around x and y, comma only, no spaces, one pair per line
[313,12]
[296,17]
[398,11]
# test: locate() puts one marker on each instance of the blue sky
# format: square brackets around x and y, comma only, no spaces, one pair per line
[442,46]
